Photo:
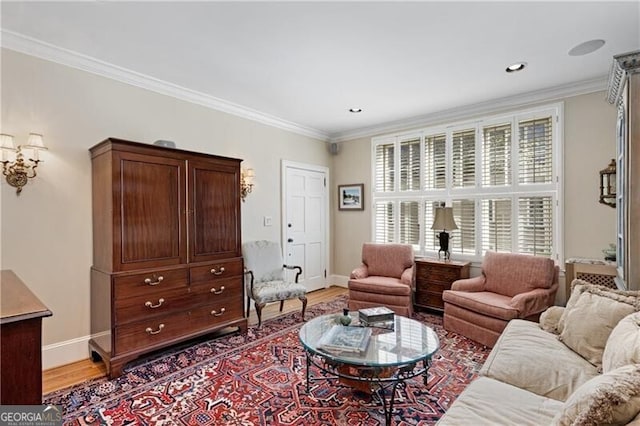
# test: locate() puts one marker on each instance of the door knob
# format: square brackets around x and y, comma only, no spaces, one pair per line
[290,240]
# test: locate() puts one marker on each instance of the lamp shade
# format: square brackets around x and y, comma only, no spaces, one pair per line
[444,219]
[35,141]
[6,142]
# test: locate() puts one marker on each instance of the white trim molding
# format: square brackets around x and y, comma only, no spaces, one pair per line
[338,281]
[66,352]
[40,49]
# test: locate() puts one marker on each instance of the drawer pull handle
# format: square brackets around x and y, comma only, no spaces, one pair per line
[214,291]
[158,280]
[148,304]
[150,331]
[216,313]
[214,271]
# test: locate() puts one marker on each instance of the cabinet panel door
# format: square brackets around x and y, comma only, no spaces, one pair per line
[214,210]
[150,219]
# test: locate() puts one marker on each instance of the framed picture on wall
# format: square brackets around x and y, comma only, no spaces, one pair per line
[351,197]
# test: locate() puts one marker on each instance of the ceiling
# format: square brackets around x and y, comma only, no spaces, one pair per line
[302,65]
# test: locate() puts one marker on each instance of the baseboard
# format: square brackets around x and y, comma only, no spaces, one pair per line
[339,280]
[66,352]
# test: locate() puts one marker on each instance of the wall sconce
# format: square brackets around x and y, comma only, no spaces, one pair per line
[246,182]
[608,185]
[19,171]
[444,220]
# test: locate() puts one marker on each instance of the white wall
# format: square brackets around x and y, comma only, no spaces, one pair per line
[46,231]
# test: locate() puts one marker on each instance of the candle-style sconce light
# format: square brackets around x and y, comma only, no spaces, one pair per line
[608,185]
[19,164]
[246,182]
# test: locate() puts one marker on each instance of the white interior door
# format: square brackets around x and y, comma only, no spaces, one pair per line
[305,222]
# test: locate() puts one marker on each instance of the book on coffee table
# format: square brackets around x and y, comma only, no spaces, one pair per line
[379,314]
[341,338]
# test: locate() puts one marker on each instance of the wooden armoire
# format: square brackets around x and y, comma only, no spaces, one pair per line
[167,259]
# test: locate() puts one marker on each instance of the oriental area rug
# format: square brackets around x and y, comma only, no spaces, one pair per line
[259,378]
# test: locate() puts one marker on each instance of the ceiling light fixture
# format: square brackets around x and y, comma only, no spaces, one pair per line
[586,47]
[355,110]
[517,66]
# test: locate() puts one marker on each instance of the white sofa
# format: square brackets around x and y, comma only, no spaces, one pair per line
[580,365]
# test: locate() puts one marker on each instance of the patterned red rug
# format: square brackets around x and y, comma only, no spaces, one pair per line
[259,379]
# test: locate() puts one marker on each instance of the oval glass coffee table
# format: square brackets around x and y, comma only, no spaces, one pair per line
[391,356]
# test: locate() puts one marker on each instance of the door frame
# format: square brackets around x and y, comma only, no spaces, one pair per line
[286,164]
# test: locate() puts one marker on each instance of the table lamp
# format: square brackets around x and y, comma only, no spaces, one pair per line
[444,220]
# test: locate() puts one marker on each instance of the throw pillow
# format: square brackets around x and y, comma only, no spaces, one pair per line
[623,345]
[611,398]
[589,323]
[549,319]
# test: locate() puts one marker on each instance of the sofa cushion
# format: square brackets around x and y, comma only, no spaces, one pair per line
[590,321]
[510,274]
[532,359]
[611,398]
[490,402]
[623,345]
[484,302]
[549,319]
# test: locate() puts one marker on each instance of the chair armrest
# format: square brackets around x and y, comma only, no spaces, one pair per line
[407,277]
[250,273]
[299,268]
[550,318]
[534,301]
[473,284]
[360,272]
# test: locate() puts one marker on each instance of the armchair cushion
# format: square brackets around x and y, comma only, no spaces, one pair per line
[510,274]
[388,260]
[264,259]
[469,284]
[484,302]
[271,291]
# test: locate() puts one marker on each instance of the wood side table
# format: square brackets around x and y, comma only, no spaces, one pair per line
[435,276]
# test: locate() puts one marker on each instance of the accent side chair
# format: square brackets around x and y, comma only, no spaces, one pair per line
[267,277]
[385,278]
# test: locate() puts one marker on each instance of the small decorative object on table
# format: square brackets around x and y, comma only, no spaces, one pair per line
[380,316]
[345,318]
[345,339]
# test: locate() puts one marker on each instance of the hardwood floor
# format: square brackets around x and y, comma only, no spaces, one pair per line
[78,372]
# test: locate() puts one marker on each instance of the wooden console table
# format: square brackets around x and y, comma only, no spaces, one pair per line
[435,276]
[21,314]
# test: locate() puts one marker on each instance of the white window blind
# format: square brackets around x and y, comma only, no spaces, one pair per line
[384,222]
[385,167]
[410,164]
[410,223]
[434,164]
[464,158]
[496,155]
[431,241]
[463,239]
[496,225]
[535,225]
[535,148]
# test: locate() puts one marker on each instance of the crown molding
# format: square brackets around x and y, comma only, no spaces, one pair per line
[33,47]
[482,108]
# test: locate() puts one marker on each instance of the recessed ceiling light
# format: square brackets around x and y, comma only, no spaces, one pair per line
[517,66]
[355,110]
[586,47]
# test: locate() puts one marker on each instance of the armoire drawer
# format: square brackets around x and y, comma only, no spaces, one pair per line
[216,314]
[151,332]
[216,271]
[148,282]
[156,302]
[218,290]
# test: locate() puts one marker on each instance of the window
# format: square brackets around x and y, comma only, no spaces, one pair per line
[499,174]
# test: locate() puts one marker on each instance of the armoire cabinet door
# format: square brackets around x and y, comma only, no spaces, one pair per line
[214,210]
[149,218]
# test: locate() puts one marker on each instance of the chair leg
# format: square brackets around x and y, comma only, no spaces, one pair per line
[303,299]
[281,305]
[259,307]
[248,306]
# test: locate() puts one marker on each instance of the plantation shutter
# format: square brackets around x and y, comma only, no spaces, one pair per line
[410,223]
[385,222]
[434,164]
[431,241]
[385,171]
[535,148]
[496,155]
[535,225]
[464,238]
[496,225]
[410,165]
[464,158]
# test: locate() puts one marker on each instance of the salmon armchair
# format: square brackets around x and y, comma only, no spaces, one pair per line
[385,278]
[510,286]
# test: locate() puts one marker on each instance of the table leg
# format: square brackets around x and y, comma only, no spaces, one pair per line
[308,368]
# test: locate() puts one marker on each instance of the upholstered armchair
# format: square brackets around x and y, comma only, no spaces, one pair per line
[267,278]
[510,286]
[385,278]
